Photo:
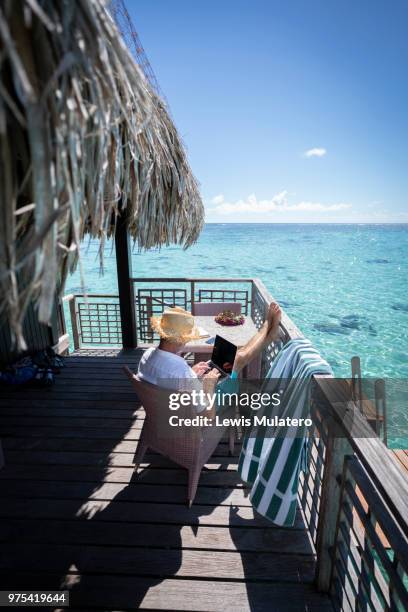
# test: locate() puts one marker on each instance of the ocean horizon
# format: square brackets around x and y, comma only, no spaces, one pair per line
[295,223]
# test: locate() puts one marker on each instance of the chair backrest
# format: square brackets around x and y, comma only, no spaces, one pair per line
[214,308]
[152,397]
[156,400]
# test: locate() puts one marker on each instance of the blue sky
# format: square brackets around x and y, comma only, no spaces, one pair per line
[253,86]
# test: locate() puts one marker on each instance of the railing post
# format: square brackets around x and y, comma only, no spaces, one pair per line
[381,408]
[74,322]
[356,382]
[192,291]
[336,450]
[61,324]
[149,314]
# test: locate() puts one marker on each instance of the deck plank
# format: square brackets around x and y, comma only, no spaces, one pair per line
[74,512]
[117,533]
[45,442]
[163,562]
[149,512]
[83,466]
[402,458]
[128,592]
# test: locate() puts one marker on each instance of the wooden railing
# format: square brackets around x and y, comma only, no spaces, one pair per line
[94,319]
[152,295]
[353,497]
[261,298]
[362,545]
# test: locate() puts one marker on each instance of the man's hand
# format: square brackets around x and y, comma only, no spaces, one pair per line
[210,380]
[201,368]
[213,374]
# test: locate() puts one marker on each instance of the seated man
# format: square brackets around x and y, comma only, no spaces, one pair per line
[163,364]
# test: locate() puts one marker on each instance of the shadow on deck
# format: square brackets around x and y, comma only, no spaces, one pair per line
[75,515]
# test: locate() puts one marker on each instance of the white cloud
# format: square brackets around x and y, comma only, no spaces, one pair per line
[278,203]
[317,206]
[251,204]
[315,152]
[218,199]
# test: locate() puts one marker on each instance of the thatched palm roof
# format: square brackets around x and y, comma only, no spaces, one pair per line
[80,132]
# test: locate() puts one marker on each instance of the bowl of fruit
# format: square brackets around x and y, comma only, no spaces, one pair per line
[229,318]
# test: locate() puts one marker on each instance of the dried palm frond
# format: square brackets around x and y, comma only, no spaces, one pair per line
[83,138]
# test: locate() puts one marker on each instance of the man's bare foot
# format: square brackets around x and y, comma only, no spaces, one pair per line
[273,319]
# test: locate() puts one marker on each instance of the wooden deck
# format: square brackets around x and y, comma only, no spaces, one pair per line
[402,458]
[74,514]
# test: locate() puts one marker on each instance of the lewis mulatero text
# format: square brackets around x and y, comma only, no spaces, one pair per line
[220,421]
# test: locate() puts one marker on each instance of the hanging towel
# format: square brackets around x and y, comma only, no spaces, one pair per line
[271,458]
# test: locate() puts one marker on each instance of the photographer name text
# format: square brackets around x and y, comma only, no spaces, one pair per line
[242,421]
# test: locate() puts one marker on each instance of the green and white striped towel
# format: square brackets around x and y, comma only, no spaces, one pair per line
[271,458]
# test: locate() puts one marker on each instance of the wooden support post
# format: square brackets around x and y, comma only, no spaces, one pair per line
[124,271]
[336,451]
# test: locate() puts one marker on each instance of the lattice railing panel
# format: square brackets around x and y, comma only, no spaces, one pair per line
[311,478]
[258,312]
[225,295]
[370,552]
[151,303]
[99,323]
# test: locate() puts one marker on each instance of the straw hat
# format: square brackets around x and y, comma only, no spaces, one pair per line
[176,324]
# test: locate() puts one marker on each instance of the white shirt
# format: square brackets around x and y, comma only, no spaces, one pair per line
[169,371]
[161,368]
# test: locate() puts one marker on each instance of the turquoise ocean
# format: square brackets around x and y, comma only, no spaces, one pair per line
[345,286]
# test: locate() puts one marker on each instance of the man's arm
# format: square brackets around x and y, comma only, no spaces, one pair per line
[267,334]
